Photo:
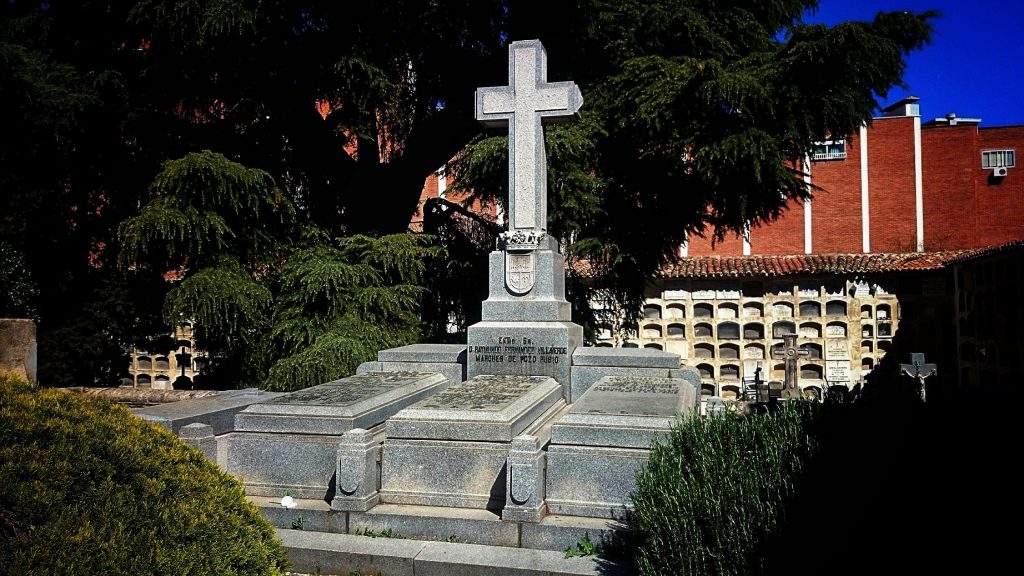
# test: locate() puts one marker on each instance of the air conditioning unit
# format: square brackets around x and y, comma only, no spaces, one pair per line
[999,171]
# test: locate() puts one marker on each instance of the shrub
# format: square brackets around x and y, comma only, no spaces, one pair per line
[712,493]
[87,488]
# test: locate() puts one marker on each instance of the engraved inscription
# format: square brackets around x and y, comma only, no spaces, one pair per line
[516,350]
[488,393]
[637,385]
[349,390]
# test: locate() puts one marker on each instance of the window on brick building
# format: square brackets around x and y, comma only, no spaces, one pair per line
[829,150]
[998,159]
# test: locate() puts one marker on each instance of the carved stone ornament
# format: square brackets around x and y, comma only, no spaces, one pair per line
[520,240]
[520,272]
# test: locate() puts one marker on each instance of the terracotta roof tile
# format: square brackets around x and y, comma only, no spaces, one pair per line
[714,267]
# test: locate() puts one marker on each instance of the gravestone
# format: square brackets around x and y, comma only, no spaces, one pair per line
[600,443]
[451,449]
[525,326]
[289,444]
[790,353]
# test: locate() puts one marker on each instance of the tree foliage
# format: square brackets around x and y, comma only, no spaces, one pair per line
[323,118]
[270,304]
[87,488]
[696,117]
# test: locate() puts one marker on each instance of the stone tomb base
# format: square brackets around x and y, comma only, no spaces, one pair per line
[289,444]
[451,450]
[599,445]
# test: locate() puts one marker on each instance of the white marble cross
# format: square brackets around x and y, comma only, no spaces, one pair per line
[523,106]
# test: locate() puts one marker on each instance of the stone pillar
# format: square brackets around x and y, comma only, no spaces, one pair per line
[357,477]
[524,481]
[200,436]
[18,348]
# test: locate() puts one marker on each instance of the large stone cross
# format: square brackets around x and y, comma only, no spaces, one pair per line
[790,352]
[524,105]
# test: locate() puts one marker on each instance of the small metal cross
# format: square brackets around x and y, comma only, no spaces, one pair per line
[919,370]
[790,352]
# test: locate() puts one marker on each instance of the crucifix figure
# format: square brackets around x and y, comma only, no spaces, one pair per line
[918,370]
[790,352]
[524,106]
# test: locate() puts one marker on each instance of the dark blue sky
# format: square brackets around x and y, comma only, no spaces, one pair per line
[974,65]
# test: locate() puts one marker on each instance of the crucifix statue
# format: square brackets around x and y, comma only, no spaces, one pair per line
[525,105]
[790,352]
[919,370]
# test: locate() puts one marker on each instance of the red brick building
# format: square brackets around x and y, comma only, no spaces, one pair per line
[899,185]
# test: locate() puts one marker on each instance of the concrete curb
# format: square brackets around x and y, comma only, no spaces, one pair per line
[341,554]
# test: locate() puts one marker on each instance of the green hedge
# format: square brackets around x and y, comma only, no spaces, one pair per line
[713,492]
[87,488]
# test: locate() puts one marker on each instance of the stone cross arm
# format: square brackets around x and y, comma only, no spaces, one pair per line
[523,106]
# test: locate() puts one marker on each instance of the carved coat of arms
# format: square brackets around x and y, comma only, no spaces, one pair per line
[520,272]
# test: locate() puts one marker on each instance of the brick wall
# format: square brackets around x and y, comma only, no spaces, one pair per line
[836,218]
[891,188]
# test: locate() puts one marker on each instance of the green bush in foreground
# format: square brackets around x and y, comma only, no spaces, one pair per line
[712,493]
[86,488]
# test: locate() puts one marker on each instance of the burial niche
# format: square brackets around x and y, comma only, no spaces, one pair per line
[729,351]
[707,389]
[883,311]
[729,372]
[145,363]
[728,331]
[652,331]
[143,381]
[813,351]
[865,311]
[728,310]
[780,329]
[782,310]
[675,311]
[703,310]
[753,310]
[835,330]
[676,330]
[707,371]
[652,312]
[703,330]
[810,308]
[811,372]
[162,363]
[753,352]
[835,308]
[753,331]
[703,350]
[810,330]
[653,346]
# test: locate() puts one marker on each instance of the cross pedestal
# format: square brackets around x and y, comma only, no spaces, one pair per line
[526,326]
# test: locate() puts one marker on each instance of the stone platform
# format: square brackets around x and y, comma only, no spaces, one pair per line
[290,444]
[599,445]
[451,449]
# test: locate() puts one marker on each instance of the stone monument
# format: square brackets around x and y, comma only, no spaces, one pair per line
[526,325]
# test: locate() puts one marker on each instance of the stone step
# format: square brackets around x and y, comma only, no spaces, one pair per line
[462,525]
[342,554]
